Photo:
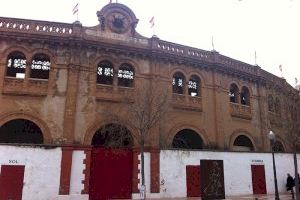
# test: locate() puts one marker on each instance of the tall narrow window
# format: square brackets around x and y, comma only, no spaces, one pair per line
[126,75]
[233,93]
[40,67]
[16,65]
[105,73]
[193,86]
[245,96]
[178,83]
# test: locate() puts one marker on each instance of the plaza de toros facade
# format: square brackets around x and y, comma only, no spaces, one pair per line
[57,78]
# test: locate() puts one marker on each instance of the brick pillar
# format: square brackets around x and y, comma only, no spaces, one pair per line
[155,170]
[86,171]
[135,171]
[70,104]
[65,170]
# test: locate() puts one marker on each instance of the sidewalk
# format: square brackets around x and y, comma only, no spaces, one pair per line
[246,197]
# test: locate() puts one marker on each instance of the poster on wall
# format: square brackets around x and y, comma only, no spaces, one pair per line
[212,179]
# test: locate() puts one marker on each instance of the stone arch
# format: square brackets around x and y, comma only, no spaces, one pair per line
[176,129]
[178,69]
[9,50]
[187,139]
[134,64]
[113,135]
[22,115]
[43,51]
[88,137]
[244,133]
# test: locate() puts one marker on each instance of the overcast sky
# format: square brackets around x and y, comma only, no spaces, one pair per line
[239,27]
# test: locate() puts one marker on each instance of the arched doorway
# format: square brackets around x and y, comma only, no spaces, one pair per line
[187,139]
[243,143]
[21,131]
[113,135]
[112,163]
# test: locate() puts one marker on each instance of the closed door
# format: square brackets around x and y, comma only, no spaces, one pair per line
[111,174]
[193,188]
[11,182]
[258,179]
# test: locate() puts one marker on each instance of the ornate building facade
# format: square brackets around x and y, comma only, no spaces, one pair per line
[56,79]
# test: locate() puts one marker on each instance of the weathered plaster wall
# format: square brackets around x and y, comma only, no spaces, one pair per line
[237,170]
[42,170]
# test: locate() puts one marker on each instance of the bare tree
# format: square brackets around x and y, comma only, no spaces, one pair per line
[144,108]
[149,106]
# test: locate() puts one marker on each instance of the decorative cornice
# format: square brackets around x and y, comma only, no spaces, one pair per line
[135,46]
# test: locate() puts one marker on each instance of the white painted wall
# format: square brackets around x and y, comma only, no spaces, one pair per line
[77,176]
[42,170]
[237,170]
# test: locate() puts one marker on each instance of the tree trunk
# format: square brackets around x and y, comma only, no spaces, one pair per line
[296,177]
[142,164]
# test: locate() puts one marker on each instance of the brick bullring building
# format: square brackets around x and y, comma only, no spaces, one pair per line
[56,78]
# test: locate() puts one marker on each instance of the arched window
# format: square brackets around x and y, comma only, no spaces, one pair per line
[105,73]
[126,75]
[113,135]
[21,131]
[40,66]
[178,83]
[277,106]
[271,103]
[243,143]
[278,146]
[233,93]
[194,86]
[187,139]
[245,96]
[16,65]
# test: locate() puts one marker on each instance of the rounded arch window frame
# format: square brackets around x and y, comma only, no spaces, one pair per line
[248,98]
[176,89]
[130,65]
[239,132]
[199,85]
[113,71]
[9,55]
[38,53]
[27,116]
[236,93]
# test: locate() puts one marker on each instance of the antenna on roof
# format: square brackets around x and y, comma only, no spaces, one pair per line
[255,58]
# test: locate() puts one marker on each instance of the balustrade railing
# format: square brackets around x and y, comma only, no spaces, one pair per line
[240,111]
[186,102]
[32,26]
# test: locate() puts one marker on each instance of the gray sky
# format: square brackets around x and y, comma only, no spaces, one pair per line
[239,27]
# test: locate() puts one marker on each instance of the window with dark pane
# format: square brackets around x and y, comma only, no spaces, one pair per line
[245,96]
[233,93]
[126,75]
[193,87]
[105,73]
[16,65]
[178,83]
[40,67]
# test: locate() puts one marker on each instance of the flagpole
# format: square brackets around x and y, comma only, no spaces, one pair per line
[212,43]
